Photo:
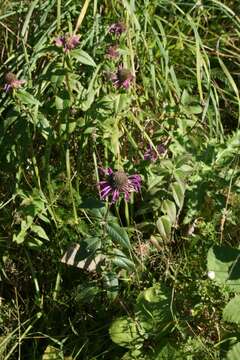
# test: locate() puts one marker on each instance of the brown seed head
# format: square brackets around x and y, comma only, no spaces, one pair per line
[10,77]
[120,179]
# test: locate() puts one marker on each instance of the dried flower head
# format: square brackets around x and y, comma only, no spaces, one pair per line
[12,82]
[117,183]
[112,52]
[117,28]
[68,42]
[151,154]
[122,78]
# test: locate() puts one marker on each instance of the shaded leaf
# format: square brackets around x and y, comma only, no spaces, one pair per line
[164,226]
[118,234]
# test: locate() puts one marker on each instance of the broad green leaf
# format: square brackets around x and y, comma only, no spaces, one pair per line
[224,266]
[83,57]
[123,331]
[164,226]
[178,190]
[169,208]
[231,312]
[234,353]
[153,308]
[118,234]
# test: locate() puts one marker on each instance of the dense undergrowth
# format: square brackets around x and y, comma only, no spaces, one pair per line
[119,165]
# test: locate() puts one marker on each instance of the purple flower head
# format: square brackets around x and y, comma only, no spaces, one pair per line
[151,154]
[67,42]
[117,28]
[122,78]
[117,183]
[12,82]
[112,52]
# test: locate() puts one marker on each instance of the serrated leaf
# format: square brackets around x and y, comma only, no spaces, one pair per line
[123,331]
[178,190]
[231,311]
[234,353]
[118,234]
[83,57]
[164,226]
[169,208]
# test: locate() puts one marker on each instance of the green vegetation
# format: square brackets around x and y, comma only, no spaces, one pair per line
[119,180]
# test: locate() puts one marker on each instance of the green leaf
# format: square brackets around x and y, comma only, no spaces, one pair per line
[118,234]
[51,353]
[234,353]
[169,208]
[168,352]
[121,260]
[178,190]
[122,102]
[153,308]
[123,331]
[224,266]
[231,311]
[27,98]
[164,226]
[39,231]
[83,57]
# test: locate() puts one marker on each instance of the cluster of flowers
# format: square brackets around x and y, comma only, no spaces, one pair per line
[123,77]
[116,182]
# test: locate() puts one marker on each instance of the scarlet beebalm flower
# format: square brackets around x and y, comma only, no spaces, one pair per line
[117,183]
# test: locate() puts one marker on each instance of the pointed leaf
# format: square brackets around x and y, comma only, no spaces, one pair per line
[83,57]
[178,190]
[118,234]
[169,208]
[164,226]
